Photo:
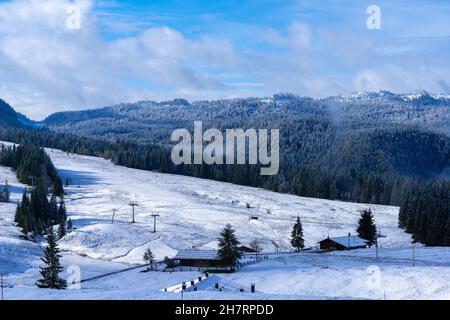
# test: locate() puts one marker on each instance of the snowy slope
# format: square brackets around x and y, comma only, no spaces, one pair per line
[192,212]
[16,255]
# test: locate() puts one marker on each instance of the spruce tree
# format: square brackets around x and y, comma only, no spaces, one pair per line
[69,225]
[58,187]
[5,193]
[21,219]
[39,229]
[18,215]
[447,232]
[22,214]
[366,227]
[228,246]
[50,272]
[39,206]
[62,213]
[170,263]
[62,229]
[297,240]
[53,205]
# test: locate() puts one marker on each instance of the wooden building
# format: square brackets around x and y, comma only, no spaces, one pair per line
[245,249]
[198,258]
[342,243]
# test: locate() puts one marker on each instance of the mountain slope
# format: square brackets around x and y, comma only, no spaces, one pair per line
[192,211]
[371,132]
[363,110]
[408,152]
[10,118]
[359,148]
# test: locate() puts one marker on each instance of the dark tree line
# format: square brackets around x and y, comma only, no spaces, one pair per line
[36,212]
[32,166]
[371,183]
[425,213]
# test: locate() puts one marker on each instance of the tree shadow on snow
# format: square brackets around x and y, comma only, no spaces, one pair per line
[77,178]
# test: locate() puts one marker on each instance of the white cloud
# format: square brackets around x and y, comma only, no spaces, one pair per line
[45,67]
[300,35]
[54,68]
[368,80]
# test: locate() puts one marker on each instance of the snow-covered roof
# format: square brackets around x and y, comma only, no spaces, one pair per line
[350,241]
[197,255]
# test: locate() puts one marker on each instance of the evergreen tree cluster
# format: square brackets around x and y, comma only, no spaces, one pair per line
[369,178]
[32,166]
[36,213]
[425,213]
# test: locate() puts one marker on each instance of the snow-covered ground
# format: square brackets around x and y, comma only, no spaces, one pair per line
[192,212]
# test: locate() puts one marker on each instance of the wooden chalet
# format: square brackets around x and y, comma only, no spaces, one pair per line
[199,258]
[245,249]
[343,243]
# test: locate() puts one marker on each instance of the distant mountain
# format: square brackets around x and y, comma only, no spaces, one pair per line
[372,109]
[149,120]
[377,132]
[365,147]
[10,118]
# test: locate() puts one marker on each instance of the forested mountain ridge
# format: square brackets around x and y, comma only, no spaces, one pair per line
[148,119]
[376,148]
[9,117]
[372,132]
[323,153]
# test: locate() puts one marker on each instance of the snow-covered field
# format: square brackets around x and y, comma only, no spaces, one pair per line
[192,212]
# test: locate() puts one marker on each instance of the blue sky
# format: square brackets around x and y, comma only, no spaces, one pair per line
[136,50]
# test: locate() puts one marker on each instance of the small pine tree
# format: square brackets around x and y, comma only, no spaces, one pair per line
[53,210]
[39,230]
[170,263]
[50,273]
[297,240]
[21,219]
[58,187]
[18,215]
[366,227]
[228,246]
[5,193]
[69,225]
[149,258]
[62,213]
[22,214]
[62,229]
